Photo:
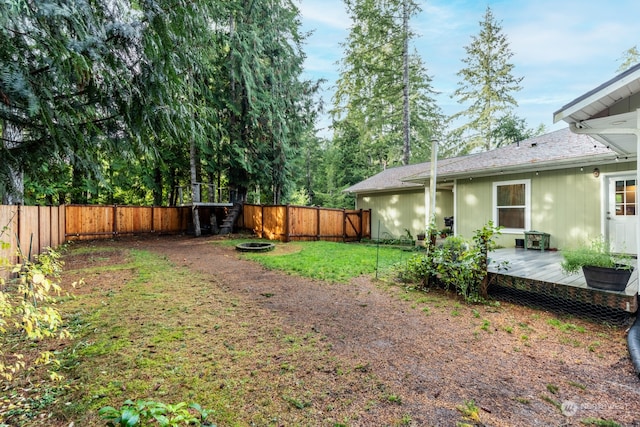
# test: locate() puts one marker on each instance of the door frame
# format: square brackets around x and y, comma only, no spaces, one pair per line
[605,180]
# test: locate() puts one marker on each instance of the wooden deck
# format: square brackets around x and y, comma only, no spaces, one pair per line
[540,273]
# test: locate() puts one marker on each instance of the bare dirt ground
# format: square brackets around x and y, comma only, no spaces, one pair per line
[517,365]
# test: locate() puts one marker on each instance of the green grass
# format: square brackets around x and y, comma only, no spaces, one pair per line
[165,323]
[331,261]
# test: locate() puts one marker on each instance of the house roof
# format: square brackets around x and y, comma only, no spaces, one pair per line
[390,178]
[554,150]
[608,112]
[596,101]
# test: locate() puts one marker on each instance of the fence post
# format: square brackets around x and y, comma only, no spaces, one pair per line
[115,220]
[344,225]
[262,221]
[361,227]
[318,227]
[287,232]
[19,231]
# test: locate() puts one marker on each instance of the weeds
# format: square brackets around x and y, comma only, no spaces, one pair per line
[469,410]
[577,385]
[555,403]
[394,398]
[565,327]
[599,422]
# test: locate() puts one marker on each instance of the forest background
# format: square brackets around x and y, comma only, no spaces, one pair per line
[124,102]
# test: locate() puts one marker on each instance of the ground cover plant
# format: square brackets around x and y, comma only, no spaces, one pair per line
[181,321]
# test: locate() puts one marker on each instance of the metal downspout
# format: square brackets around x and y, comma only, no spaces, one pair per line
[433,181]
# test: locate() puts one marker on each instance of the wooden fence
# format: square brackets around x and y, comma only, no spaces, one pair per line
[98,222]
[31,229]
[287,223]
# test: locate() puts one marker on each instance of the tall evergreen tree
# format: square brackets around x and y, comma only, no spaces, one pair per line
[64,83]
[487,85]
[270,106]
[166,87]
[630,57]
[374,85]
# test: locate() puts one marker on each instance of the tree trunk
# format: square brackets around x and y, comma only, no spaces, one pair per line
[157,188]
[78,193]
[195,189]
[12,137]
[406,123]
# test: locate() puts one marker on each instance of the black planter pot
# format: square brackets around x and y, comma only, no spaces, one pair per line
[608,279]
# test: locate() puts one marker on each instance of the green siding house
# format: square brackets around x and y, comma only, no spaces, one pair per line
[575,184]
[561,183]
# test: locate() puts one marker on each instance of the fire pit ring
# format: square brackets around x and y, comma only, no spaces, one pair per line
[255,247]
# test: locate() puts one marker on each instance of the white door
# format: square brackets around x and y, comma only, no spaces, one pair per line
[621,214]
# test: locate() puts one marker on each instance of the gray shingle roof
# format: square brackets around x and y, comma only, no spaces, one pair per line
[553,150]
[390,178]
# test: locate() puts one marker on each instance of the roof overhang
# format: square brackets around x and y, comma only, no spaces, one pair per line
[618,132]
[575,162]
[609,113]
[403,189]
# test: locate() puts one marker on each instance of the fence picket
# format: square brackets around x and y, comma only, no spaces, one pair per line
[38,227]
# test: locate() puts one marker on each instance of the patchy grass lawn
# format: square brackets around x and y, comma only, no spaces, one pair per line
[144,327]
[267,349]
[330,261]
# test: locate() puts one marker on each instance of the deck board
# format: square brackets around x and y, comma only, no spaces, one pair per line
[541,273]
[546,267]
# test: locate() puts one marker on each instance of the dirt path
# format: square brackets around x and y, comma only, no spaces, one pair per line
[515,363]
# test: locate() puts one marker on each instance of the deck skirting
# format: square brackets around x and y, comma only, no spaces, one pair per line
[593,303]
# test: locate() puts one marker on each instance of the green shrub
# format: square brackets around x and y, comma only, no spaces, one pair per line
[456,264]
[27,308]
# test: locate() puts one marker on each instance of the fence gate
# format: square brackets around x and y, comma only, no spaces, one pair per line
[352,225]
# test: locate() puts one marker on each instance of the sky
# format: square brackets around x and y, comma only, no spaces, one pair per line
[562,48]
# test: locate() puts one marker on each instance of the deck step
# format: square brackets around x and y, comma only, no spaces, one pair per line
[230,219]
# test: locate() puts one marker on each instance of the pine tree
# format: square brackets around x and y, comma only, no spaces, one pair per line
[630,57]
[487,85]
[384,90]
[270,107]
[64,81]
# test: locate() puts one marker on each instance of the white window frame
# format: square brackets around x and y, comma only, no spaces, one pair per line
[527,205]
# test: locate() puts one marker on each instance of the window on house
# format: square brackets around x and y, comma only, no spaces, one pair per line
[512,204]
[626,197]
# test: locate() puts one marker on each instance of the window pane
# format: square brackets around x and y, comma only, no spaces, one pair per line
[631,191]
[511,217]
[625,197]
[511,195]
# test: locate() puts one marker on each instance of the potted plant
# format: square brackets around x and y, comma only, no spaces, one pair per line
[602,268]
[445,232]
